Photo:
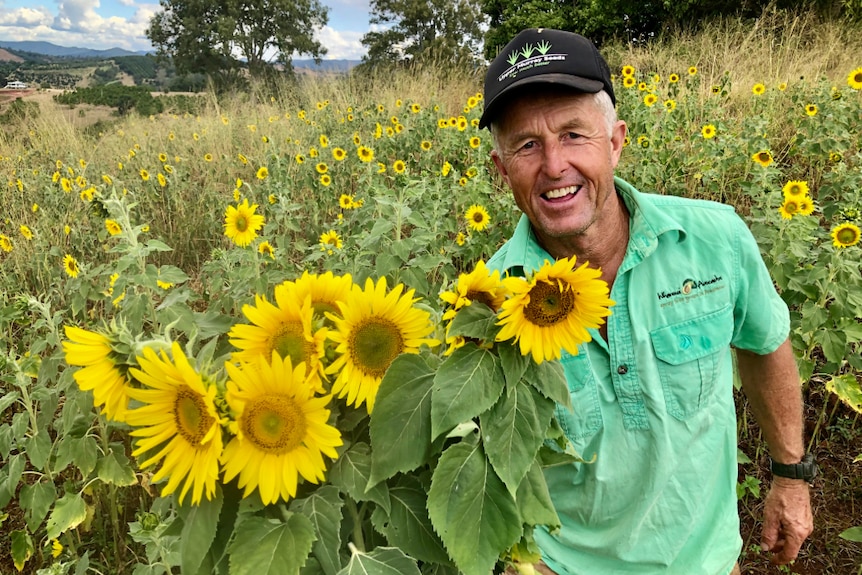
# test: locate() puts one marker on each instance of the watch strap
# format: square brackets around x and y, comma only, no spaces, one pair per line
[806,469]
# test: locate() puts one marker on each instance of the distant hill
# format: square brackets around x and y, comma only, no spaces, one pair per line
[325,65]
[49,49]
[9,57]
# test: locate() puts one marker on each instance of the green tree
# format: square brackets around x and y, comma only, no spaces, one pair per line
[214,37]
[508,18]
[416,30]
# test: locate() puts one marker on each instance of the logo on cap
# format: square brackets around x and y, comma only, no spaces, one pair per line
[523,59]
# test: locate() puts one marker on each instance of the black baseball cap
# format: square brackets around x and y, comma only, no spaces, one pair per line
[546,56]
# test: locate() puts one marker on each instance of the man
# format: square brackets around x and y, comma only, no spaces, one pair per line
[652,392]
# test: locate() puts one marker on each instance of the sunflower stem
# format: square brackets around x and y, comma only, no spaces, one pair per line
[358,536]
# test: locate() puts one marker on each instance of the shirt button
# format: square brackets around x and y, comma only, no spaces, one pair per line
[623,369]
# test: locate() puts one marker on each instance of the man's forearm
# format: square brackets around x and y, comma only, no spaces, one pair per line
[771,384]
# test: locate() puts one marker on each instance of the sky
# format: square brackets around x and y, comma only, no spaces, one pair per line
[104,24]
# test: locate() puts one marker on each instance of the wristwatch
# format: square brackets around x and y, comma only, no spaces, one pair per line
[806,469]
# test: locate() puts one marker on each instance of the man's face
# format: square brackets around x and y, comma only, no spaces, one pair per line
[557,154]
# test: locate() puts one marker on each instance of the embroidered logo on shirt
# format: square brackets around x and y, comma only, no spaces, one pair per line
[691,287]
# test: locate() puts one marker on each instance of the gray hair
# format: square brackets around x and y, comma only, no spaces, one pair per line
[602,101]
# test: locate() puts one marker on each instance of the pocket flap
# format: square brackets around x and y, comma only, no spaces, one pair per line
[693,338]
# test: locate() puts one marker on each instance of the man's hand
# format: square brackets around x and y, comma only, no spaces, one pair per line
[787,519]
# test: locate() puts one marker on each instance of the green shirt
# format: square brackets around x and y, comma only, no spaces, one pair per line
[655,402]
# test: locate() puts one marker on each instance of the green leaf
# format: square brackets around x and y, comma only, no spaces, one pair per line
[69,512]
[534,500]
[514,364]
[408,526]
[513,430]
[467,383]
[833,344]
[471,509]
[848,390]
[271,547]
[38,448]
[852,534]
[36,500]
[22,548]
[323,509]
[381,561]
[14,469]
[475,321]
[83,452]
[401,421]
[351,473]
[550,379]
[158,246]
[200,523]
[115,468]
[5,440]
[8,400]
[741,457]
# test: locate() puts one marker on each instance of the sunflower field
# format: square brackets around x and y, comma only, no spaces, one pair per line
[260,338]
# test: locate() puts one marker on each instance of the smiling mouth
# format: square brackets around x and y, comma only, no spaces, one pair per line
[561,193]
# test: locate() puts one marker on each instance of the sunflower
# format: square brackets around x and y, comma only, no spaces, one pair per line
[475,142]
[281,429]
[100,374]
[365,154]
[811,109]
[758,89]
[650,100]
[26,232]
[789,208]
[399,166]
[5,243]
[113,227]
[325,180]
[708,131]
[628,70]
[266,249]
[460,239]
[854,79]
[375,327]
[70,264]
[241,224]
[324,141]
[345,202]
[284,329]
[795,189]
[178,416]
[482,286]
[161,179]
[425,145]
[324,290]
[330,240]
[692,70]
[670,105]
[145,175]
[629,81]
[806,206]
[673,78]
[550,311]
[299,159]
[262,173]
[477,217]
[338,154]
[763,157]
[846,234]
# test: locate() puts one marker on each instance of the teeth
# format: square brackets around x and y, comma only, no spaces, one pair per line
[553,194]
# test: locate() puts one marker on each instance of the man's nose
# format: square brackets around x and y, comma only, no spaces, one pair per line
[555,162]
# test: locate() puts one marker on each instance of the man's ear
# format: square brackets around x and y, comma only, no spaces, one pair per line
[501,167]
[618,136]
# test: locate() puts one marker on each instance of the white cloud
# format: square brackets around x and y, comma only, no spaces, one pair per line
[341,45]
[26,17]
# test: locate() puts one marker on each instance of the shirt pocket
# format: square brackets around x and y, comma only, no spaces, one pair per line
[689,356]
[585,417]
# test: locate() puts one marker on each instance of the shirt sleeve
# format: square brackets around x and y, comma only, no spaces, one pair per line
[761,317]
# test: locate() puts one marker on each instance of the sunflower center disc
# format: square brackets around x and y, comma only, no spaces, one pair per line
[291,342]
[191,416]
[375,345]
[241,223]
[274,423]
[548,305]
[481,297]
[846,236]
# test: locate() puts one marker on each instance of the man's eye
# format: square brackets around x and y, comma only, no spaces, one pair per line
[573,135]
[528,145]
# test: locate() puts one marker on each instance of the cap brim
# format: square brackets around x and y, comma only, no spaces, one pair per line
[577,82]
